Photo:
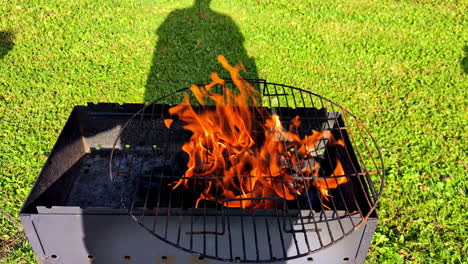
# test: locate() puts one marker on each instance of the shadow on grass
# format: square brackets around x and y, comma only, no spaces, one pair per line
[189,41]
[464,61]
[6,43]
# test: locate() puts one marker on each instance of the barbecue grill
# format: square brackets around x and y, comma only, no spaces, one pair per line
[114,161]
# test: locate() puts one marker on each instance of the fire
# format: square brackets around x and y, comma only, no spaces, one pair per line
[238,157]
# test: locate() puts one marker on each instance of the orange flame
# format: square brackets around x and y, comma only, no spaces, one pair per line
[236,160]
[168,122]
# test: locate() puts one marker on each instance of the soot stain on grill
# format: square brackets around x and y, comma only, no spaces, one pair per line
[167,260]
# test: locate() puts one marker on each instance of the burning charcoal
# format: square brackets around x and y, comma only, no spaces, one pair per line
[285,163]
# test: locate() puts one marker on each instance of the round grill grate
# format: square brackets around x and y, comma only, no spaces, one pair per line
[324,190]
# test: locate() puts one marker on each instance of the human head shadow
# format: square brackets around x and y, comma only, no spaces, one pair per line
[464,60]
[189,42]
[6,43]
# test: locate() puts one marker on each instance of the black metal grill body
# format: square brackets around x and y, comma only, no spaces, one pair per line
[74,215]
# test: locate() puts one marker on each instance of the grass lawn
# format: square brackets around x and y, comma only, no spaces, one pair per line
[401,66]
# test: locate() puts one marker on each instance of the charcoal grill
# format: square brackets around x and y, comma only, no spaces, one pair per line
[114,161]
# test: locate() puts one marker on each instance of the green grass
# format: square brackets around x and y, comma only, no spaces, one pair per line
[400,65]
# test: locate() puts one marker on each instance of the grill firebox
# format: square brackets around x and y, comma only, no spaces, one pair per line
[105,195]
